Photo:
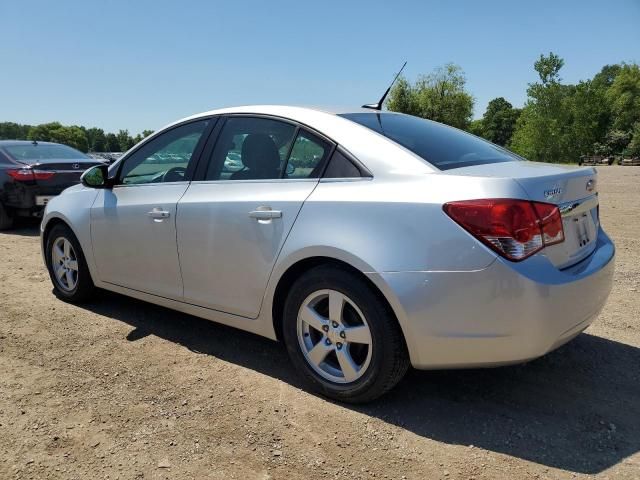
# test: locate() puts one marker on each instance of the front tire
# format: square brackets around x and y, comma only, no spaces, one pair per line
[67,266]
[342,337]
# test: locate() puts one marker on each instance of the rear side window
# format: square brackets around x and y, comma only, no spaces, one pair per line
[442,146]
[341,167]
[42,151]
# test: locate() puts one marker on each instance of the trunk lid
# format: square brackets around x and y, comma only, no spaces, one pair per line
[573,189]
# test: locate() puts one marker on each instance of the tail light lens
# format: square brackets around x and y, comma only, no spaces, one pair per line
[516,229]
[28,174]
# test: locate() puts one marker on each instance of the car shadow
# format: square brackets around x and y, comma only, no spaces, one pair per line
[24,227]
[576,409]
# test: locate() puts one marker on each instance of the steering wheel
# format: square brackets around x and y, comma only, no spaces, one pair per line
[175,174]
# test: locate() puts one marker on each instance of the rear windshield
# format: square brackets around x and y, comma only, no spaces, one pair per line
[42,152]
[442,146]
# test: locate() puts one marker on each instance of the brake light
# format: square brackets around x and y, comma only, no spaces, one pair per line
[28,174]
[516,229]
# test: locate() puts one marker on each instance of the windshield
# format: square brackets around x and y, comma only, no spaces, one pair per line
[442,146]
[40,151]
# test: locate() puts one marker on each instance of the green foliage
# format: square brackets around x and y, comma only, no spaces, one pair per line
[543,127]
[73,135]
[112,143]
[81,138]
[634,146]
[498,123]
[439,96]
[124,140]
[13,131]
[561,122]
[624,97]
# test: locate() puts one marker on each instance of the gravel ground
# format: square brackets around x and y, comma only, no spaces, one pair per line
[122,389]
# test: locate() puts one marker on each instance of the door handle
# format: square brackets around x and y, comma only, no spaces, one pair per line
[156,213]
[265,214]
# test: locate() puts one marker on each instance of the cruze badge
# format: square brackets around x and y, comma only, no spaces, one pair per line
[552,192]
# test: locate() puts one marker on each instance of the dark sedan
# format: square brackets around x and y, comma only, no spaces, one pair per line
[31,173]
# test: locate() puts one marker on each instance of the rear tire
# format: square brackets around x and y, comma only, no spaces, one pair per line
[67,266]
[6,220]
[342,337]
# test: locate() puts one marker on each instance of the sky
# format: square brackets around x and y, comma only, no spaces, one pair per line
[140,64]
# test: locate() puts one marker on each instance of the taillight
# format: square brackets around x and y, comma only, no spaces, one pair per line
[29,174]
[516,229]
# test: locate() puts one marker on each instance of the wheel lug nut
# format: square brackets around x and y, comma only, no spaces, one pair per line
[335,324]
[327,341]
[325,328]
[339,345]
[343,335]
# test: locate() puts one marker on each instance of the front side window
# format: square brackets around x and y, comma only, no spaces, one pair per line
[164,158]
[442,146]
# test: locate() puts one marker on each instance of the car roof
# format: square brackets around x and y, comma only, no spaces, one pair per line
[380,154]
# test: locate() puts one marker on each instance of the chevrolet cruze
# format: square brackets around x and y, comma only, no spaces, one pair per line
[366,241]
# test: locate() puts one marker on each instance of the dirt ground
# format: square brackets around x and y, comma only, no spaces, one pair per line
[119,389]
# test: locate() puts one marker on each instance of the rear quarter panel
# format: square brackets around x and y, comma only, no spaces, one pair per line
[395,224]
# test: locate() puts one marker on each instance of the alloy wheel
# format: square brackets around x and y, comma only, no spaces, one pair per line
[334,336]
[64,263]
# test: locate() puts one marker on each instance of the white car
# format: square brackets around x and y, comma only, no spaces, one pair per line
[367,241]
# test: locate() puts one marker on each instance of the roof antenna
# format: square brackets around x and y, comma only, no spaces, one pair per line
[378,106]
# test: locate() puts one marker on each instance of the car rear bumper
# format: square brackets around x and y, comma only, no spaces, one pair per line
[505,313]
[30,199]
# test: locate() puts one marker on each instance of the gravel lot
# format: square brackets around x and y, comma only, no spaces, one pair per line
[122,389]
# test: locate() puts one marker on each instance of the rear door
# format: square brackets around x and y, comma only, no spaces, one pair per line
[133,225]
[233,221]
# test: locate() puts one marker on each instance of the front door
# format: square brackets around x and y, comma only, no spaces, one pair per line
[133,225]
[233,223]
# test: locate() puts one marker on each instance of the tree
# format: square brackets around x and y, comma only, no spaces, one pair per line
[543,127]
[634,146]
[13,131]
[439,96]
[96,139]
[476,127]
[624,97]
[499,121]
[124,140]
[112,143]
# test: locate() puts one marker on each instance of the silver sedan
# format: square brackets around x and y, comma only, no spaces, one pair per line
[366,241]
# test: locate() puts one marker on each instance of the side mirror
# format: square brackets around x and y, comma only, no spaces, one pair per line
[96,177]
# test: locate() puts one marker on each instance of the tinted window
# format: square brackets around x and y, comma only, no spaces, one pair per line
[166,157]
[41,151]
[442,146]
[307,156]
[251,149]
[341,167]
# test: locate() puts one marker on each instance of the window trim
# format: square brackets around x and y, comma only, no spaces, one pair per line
[193,163]
[207,152]
[365,173]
